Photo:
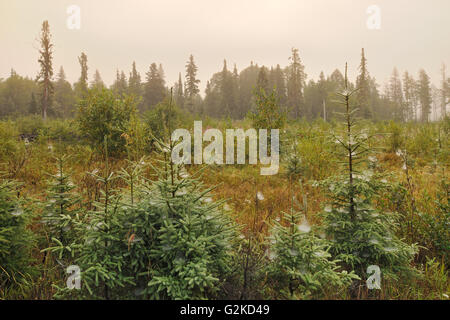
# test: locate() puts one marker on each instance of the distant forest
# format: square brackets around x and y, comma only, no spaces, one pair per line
[230,92]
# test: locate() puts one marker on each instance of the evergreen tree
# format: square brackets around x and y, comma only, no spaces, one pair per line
[424,95]
[120,84]
[81,87]
[363,85]
[62,208]
[46,74]
[16,242]
[263,81]
[134,82]
[162,74]
[361,235]
[97,83]
[64,95]
[227,94]
[395,95]
[296,78]
[235,93]
[445,92]
[188,237]
[15,94]
[247,83]
[322,87]
[33,107]
[154,90]
[410,94]
[280,84]
[191,84]
[179,94]
[300,265]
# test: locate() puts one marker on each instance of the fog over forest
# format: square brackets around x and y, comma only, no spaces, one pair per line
[412,35]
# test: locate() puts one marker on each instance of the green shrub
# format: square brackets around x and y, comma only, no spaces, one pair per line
[164,115]
[102,114]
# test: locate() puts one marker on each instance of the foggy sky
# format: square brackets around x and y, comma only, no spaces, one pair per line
[414,34]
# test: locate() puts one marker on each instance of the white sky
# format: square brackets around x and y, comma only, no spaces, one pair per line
[414,34]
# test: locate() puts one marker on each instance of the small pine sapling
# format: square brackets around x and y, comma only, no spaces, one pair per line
[61,212]
[16,242]
[300,265]
[360,234]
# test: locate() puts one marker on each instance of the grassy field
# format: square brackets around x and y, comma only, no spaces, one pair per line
[412,159]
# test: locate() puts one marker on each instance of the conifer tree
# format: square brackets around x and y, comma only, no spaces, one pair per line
[263,80]
[46,74]
[396,96]
[97,83]
[445,92]
[120,84]
[154,90]
[33,107]
[360,234]
[424,95]
[134,82]
[16,242]
[300,265]
[82,85]
[179,94]
[64,95]
[191,84]
[100,248]
[184,239]
[363,85]
[62,209]
[296,78]
[410,94]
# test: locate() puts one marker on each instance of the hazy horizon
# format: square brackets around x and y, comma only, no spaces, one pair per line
[327,33]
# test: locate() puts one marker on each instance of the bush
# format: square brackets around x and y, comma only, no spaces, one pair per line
[102,114]
[164,115]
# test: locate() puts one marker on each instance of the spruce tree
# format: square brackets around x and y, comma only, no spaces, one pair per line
[263,80]
[120,85]
[134,82]
[180,240]
[363,85]
[33,107]
[280,84]
[396,96]
[16,242]
[154,90]
[300,264]
[46,73]
[64,95]
[97,83]
[188,237]
[82,85]
[62,208]
[410,94]
[424,95]
[360,234]
[99,251]
[191,89]
[179,94]
[296,78]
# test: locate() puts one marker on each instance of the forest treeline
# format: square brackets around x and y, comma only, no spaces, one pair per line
[230,92]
